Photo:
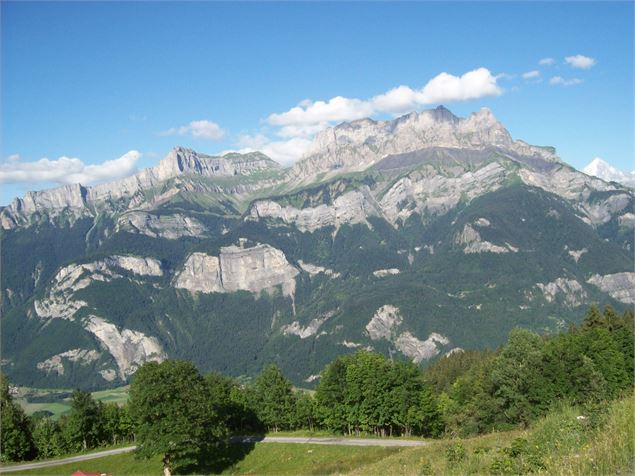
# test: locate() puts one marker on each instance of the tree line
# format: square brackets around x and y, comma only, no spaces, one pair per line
[181,415]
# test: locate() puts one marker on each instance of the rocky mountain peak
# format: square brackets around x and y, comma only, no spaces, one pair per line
[360,144]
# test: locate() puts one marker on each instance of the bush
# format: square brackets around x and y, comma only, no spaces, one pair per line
[455,453]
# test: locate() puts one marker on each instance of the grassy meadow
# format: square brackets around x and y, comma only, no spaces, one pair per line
[49,400]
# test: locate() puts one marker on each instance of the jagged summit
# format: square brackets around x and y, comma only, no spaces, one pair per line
[359,144]
[182,160]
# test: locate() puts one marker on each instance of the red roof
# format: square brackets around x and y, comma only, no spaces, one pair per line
[79,472]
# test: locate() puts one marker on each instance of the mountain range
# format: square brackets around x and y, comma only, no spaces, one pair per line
[416,237]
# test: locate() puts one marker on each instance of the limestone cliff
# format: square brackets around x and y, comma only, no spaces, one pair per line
[254,269]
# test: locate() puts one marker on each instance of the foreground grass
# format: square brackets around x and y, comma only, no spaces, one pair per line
[608,450]
[559,445]
[264,458]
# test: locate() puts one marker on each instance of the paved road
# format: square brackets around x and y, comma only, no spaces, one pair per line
[71,459]
[328,441]
[235,439]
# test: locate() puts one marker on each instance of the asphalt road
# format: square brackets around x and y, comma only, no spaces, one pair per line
[70,459]
[235,439]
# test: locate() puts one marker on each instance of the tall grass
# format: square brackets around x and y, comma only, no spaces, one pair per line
[609,449]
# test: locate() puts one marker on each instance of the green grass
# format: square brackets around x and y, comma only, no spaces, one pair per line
[282,458]
[113,465]
[58,408]
[264,458]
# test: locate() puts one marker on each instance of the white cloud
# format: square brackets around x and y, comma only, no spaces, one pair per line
[67,170]
[336,109]
[560,81]
[533,74]
[397,100]
[203,129]
[286,152]
[309,117]
[448,88]
[580,61]
[546,61]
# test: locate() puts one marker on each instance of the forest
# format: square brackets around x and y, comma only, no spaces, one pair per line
[177,413]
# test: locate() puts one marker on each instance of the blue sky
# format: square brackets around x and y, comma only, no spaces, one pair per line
[94,82]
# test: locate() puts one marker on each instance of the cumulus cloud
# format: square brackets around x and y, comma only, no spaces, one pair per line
[546,61]
[533,74]
[336,109]
[580,61]
[67,170]
[448,88]
[309,117]
[203,129]
[284,152]
[560,81]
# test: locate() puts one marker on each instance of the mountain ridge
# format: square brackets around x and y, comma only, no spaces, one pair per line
[233,262]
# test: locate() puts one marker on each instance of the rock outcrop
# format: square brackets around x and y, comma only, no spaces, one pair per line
[471,242]
[385,325]
[254,269]
[349,208]
[569,289]
[418,350]
[129,348]
[56,363]
[59,302]
[620,286]
[382,273]
[171,227]
[295,328]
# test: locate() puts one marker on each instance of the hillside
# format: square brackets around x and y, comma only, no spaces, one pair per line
[414,237]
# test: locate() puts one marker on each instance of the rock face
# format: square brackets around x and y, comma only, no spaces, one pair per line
[201,273]
[471,241]
[314,269]
[171,227]
[295,328]
[419,350]
[56,362]
[385,325]
[59,302]
[382,273]
[571,291]
[352,207]
[620,286]
[129,348]
[254,269]
[436,192]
